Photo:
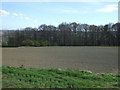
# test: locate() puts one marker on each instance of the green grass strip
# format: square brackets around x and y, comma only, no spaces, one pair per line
[56,78]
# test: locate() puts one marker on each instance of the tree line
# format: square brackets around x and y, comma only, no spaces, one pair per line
[65,34]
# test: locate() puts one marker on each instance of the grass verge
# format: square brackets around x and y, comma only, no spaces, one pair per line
[56,78]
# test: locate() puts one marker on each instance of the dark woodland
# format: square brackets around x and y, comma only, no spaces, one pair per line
[72,34]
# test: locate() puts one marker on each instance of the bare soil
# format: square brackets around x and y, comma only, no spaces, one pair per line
[95,59]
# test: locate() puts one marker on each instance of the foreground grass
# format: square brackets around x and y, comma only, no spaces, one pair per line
[56,78]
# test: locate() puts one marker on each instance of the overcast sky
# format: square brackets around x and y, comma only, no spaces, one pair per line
[16,15]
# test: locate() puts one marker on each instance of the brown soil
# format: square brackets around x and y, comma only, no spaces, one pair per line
[95,59]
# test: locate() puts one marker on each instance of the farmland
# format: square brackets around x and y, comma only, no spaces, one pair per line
[60,67]
[95,59]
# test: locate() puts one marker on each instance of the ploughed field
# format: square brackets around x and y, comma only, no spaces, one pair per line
[95,59]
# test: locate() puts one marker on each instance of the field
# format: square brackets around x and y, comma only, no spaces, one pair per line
[60,67]
[95,59]
[56,78]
